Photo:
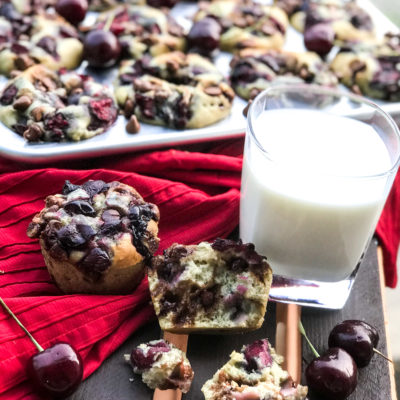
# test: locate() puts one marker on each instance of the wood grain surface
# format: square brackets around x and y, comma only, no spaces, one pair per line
[113,381]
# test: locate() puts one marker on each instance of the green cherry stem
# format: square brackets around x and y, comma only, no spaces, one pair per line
[303,332]
[38,346]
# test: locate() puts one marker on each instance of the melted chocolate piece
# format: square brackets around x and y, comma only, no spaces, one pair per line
[89,237]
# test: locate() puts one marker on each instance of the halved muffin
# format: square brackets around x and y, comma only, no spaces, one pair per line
[210,287]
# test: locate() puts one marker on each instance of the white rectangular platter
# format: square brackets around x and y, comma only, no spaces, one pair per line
[117,140]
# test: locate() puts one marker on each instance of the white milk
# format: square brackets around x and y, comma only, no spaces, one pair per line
[307,211]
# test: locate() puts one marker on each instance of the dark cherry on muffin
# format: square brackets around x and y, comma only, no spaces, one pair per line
[96,237]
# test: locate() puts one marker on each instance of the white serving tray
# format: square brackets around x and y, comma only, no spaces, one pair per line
[117,140]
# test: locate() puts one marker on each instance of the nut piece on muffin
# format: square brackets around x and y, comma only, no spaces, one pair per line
[162,365]
[96,237]
[213,287]
[253,374]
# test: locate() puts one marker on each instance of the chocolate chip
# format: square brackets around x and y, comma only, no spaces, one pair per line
[129,108]
[86,231]
[69,187]
[95,187]
[97,261]
[8,95]
[207,298]
[69,237]
[80,207]
[33,133]
[48,44]
[23,61]
[22,103]
[146,105]
[37,114]
[133,125]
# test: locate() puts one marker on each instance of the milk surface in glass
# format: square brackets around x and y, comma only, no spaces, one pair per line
[312,201]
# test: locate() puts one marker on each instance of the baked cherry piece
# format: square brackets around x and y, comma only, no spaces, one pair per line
[356,337]
[319,38]
[204,36]
[101,48]
[74,11]
[56,371]
[332,375]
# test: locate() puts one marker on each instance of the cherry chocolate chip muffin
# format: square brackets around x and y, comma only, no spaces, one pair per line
[371,68]
[245,23]
[46,39]
[253,374]
[47,106]
[347,19]
[96,237]
[162,365]
[175,89]
[141,30]
[253,71]
[211,287]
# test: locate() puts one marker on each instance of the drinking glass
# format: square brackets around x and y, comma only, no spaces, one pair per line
[317,168]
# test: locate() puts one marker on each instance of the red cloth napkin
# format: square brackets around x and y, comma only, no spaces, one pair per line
[198,197]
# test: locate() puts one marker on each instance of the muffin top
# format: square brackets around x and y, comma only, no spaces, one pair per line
[97,225]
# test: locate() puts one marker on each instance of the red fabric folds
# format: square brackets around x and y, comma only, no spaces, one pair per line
[198,197]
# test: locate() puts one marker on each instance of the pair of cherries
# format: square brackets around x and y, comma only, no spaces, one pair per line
[333,375]
[55,372]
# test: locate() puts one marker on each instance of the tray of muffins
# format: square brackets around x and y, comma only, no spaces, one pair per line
[101,238]
[127,76]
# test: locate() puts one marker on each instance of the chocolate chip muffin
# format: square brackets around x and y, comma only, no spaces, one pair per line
[47,106]
[253,71]
[176,90]
[142,29]
[211,287]
[371,68]
[253,374]
[96,237]
[246,24]
[162,365]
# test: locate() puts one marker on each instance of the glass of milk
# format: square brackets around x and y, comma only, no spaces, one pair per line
[318,166]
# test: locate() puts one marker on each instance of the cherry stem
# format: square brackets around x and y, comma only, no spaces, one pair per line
[303,332]
[109,22]
[382,355]
[37,345]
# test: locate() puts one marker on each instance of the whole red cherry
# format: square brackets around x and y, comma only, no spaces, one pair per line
[56,371]
[74,11]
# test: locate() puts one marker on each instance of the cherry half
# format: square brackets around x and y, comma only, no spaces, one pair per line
[356,337]
[56,371]
[332,375]
[74,11]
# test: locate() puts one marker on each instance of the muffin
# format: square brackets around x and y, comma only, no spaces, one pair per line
[96,237]
[253,374]
[210,287]
[162,365]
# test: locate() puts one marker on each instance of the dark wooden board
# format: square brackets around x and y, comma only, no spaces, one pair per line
[207,352]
